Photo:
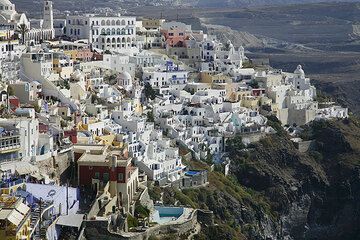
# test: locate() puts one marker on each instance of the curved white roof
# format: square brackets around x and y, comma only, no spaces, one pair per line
[125,75]
[5,2]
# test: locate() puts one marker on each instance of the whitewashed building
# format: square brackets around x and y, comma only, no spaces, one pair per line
[103,32]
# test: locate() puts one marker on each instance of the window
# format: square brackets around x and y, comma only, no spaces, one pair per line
[97,174]
[106,177]
[121,177]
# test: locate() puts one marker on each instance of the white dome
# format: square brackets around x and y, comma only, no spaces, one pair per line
[125,76]
[299,71]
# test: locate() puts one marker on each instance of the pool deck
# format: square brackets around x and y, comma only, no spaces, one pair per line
[183,217]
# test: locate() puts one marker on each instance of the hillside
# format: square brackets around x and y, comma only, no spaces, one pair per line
[276,192]
[247,3]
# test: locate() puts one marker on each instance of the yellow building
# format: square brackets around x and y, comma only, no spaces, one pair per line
[237,96]
[209,77]
[14,219]
[63,65]
[152,23]
[250,102]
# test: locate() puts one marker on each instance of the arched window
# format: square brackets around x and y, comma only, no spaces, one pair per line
[108,31]
[108,40]
[118,40]
[123,22]
[123,31]
[113,40]
[103,22]
[103,31]
[113,22]
[108,22]
[118,31]
[113,31]
[118,22]
[123,40]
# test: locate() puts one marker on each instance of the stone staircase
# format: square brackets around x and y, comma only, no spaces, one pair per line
[39,234]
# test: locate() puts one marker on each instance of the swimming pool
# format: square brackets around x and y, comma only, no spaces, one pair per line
[163,215]
[192,173]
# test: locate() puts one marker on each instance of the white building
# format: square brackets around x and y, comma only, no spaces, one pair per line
[103,32]
[24,133]
[165,79]
[293,99]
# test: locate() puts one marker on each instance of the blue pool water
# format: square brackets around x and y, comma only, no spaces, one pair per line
[191,173]
[166,214]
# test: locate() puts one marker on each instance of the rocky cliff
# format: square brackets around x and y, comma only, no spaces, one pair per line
[276,192]
[316,195]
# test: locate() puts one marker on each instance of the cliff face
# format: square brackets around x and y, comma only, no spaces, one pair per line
[276,192]
[315,195]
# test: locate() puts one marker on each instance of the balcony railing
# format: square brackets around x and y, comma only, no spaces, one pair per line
[9,142]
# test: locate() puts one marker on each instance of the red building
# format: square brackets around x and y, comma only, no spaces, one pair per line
[14,102]
[114,168]
[258,92]
[43,128]
[72,135]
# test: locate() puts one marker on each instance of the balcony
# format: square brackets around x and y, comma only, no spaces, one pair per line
[9,143]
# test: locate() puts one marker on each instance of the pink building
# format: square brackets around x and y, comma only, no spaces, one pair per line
[175,33]
[85,54]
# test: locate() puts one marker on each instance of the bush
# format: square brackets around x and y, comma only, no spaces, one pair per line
[150,116]
[235,144]
[316,155]
[274,122]
[141,211]
[149,91]
[155,193]
[132,221]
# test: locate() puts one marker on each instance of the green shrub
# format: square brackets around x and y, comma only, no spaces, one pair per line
[132,221]
[141,211]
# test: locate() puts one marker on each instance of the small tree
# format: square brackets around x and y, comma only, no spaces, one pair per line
[235,144]
[22,29]
[149,91]
[10,91]
[254,84]
[150,116]
[36,107]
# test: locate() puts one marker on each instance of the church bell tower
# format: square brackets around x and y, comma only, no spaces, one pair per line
[48,15]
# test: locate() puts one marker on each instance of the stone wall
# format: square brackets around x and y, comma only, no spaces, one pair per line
[145,199]
[56,166]
[198,180]
[252,137]
[95,230]
[305,146]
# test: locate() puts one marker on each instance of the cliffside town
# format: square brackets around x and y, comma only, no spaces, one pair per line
[120,127]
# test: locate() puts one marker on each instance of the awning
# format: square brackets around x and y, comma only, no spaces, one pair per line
[25,168]
[72,220]
[38,176]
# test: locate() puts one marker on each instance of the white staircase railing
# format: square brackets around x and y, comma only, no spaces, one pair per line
[50,89]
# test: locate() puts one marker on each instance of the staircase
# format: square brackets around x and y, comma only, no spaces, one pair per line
[39,234]
[50,89]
